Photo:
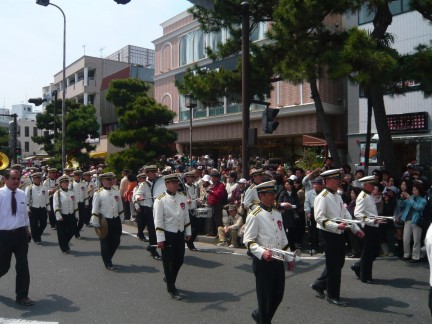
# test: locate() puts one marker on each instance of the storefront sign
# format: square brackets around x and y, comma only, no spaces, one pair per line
[408,122]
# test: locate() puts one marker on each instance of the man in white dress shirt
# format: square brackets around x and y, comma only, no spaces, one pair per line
[15,234]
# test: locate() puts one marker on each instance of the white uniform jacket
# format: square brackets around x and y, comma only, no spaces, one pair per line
[192,192]
[143,195]
[64,202]
[51,185]
[264,229]
[365,205]
[80,189]
[107,203]
[37,197]
[251,197]
[327,206]
[171,213]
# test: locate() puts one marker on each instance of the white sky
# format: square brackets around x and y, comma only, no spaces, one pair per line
[31,37]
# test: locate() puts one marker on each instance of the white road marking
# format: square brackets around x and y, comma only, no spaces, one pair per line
[20,321]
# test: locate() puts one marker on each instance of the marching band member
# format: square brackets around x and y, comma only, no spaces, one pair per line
[80,189]
[145,208]
[37,200]
[264,228]
[251,198]
[192,193]
[328,205]
[89,192]
[171,218]
[65,208]
[51,184]
[365,205]
[107,203]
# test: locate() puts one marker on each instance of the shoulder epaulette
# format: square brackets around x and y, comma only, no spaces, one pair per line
[325,193]
[364,195]
[99,190]
[253,185]
[256,211]
[181,193]
[161,196]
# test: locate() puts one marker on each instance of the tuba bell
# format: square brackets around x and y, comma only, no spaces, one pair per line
[4,161]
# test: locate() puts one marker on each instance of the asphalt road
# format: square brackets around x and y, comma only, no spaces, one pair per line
[217,284]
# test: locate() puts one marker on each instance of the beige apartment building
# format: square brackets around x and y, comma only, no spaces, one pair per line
[217,130]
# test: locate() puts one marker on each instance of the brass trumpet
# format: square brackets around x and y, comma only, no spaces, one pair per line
[349,222]
[283,255]
[381,219]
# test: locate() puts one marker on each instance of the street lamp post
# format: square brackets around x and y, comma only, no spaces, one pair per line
[246,100]
[63,113]
[190,102]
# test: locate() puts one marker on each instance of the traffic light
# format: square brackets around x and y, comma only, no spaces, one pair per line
[37,101]
[269,124]
[42,2]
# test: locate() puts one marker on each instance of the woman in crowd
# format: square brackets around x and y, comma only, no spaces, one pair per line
[412,215]
[404,189]
[287,204]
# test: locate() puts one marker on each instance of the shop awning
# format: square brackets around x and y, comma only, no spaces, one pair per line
[313,141]
[98,154]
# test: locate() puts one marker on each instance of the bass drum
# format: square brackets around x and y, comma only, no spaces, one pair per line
[158,187]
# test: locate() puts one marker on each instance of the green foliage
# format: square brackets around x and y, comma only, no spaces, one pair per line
[80,122]
[4,141]
[311,160]
[141,122]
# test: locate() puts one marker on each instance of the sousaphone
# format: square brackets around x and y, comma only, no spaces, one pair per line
[4,161]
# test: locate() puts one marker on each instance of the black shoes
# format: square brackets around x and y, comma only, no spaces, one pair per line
[175,295]
[356,270]
[415,260]
[255,316]
[368,281]
[336,301]
[156,256]
[24,301]
[111,268]
[319,291]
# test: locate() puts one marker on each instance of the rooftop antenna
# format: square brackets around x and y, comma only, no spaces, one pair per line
[101,51]
[84,48]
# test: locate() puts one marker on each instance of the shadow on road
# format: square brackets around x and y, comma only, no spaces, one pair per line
[57,304]
[133,268]
[209,297]
[378,305]
[403,283]
[201,263]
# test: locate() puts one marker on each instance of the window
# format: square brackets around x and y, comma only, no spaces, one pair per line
[35,133]
[396,7]
[199,45]
[215,38]
[185,50]
[259,31]
[26,146]
[26,131]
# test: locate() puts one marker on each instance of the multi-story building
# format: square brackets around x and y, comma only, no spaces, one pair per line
[133,55]
[217,130]
[409,115]
[28,129]
[85,79]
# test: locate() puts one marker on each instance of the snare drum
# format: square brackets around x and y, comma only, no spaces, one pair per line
[203,212]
